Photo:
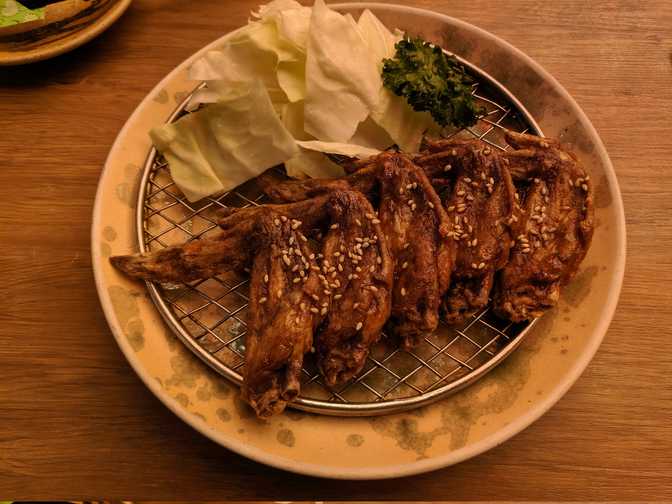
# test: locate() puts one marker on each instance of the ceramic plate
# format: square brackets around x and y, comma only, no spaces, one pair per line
[497,407]
[60,27]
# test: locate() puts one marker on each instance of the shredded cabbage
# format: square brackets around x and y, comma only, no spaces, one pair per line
[316,76]
[222,145]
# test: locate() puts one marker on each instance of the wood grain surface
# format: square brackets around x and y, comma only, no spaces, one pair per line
[76,422]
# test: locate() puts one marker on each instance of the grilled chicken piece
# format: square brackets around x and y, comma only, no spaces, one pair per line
[202,258]
[415,223]
[554,231]
[283,190]
[438,157]
[480,207]
[356,276]
[282,314]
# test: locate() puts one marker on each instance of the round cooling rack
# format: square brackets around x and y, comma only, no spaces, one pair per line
[209,316]
[137,206]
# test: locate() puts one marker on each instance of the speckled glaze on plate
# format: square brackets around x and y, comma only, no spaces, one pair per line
[497,407]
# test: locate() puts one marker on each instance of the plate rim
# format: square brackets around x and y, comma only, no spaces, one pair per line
[418,466]
[73,41]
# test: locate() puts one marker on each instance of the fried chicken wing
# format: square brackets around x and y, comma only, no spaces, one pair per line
[554,231]
[282,314]
[480,207]
[356,275]
[202,258]
[415,223]
[283,190]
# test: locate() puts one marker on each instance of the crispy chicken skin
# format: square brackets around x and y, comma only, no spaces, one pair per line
[416,225]
[479,207]
[356,275]
[282,314]
[283,190]
[554,229]
[203,258]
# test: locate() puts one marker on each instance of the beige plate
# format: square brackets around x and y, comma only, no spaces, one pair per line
[497,407]
[66,25]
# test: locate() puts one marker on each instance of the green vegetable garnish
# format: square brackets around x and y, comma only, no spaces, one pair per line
[431,81]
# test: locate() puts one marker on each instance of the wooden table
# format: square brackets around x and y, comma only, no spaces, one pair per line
[75,421]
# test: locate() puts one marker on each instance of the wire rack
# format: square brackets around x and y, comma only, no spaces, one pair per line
[209,315]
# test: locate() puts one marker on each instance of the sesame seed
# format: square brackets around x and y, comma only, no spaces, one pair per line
[276,222]
[470,197]
[370,216]
[405,265]
[403,291]
[474,242]
[401,191]
[296,280]
[286,260]
[372,268]
[491,180]
[450,208]
[327,292]
[406,245]
[379,260]
[266,278]
[447,168]
[296,224]
[453,152]
[430,204]
[375,221]
[409,202]
[461,192]
[263,300]
[302,273]
[413,207]
[483,176]
[358,222]
[279,292]
[359,326]
[481,265]
[467,180]
[303,238]
[409,186]
[323,311]
[358,269]
[474,265]
[283,218]
[355,306]
[584,187]
[340,267]
[333,226]
[314,310]
[338,296]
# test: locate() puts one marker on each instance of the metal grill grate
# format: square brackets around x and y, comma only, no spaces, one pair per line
[209,315]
